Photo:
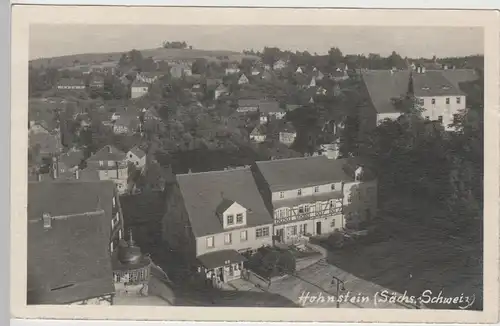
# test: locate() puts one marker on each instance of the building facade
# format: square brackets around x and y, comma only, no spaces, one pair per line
[215,217]
[111,164]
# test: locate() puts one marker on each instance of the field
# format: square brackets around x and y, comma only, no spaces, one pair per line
[157,54]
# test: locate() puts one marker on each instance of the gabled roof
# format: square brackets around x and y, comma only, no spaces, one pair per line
[288,128]
[108,153]
[269,107]
[138,83]
[294,173]
[224,205]
[383,85]
[137,151]
[259,130]
[202,194]
[458,76]
[433,83]
[76,244]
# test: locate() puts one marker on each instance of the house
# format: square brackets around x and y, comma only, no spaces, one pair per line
[321,91]
[330,150]
[96,82]
[148,77]
[212,218]
[279,64]
[110,164]
[436,91]
[319,75]
[66,165]
[231,70]
[243,80]
[270,109]
[137,157]
[73,225]
[340,73]
[248,105]
[287,134]
[126,122]
[299,70]
[258,134]
[70,84]
[179,71]
[440,99]
[138,89]
[382,86]
[43,140]
[292,107]
[152,120]
[220,91]
[311,196]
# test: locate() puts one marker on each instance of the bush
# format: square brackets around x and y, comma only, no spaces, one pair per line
[270,262]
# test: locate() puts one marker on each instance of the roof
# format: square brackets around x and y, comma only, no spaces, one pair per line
[259,130]
[294,173]
[138,83]
[71,82]
[292,107]
[224,205]
[137,151]
[458,76]
[72,158]
[77,244]
[433,83]
[48,143]
[287,127]
[249,102]
[218,258]
[269,107]
[108,153]
[383,85]
[293,202]
[203,192]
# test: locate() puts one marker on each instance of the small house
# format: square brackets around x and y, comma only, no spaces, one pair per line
[258,134]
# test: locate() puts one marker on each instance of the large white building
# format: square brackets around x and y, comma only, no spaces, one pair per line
[314,195]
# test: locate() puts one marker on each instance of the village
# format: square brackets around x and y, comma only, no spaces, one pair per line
[249,179]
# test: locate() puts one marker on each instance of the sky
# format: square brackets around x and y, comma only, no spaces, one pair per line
[56,40]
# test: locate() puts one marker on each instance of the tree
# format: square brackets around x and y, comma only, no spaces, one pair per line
[335,56]
[200,66]
[270,55]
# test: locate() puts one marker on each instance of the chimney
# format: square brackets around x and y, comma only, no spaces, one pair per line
[423,70]
[47,221]
[358,173]
[77,174]
[419,69]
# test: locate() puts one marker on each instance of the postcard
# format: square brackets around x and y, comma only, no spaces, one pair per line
[181,163]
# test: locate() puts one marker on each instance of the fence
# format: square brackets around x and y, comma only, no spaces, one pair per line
[256,279]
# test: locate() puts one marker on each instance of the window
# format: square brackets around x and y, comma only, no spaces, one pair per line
[303,229]
[101,163]
[433,101]
[243,235]
[333,224]
[332,187]
[239,218]
[299,192]
[230,219]
[458,100]
[294,230]
[318,208]
[130,155]
[456,118]
[262,232]
[136,163]
[111,163]
[440,119]
[447,100]
[227,238]
[301,209]
[427,117]
[316,189]
[210,242]
[282,194]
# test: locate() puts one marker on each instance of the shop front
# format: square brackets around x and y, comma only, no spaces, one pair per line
[221,266]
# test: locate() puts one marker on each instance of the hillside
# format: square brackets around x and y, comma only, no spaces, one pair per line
[159,54]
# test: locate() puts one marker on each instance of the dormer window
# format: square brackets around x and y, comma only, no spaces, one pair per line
[299,192]
[282,194]
[239,218]
[447,100]
[425,88]
[230,219]
[332,187]
[433,101]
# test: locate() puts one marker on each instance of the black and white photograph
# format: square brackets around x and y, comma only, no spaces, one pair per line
[271,166]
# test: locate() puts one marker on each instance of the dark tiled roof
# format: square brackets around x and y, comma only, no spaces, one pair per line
[108,153]
[69,197]
[203,192]
[49,143]
[138,83]
[224,205]
[458,76]
[70,261]
[218,258]
[269,107]
[433,83]
[382,86]
[294,173]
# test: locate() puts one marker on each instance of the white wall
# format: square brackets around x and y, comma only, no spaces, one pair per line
[440,108]
[307,191]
